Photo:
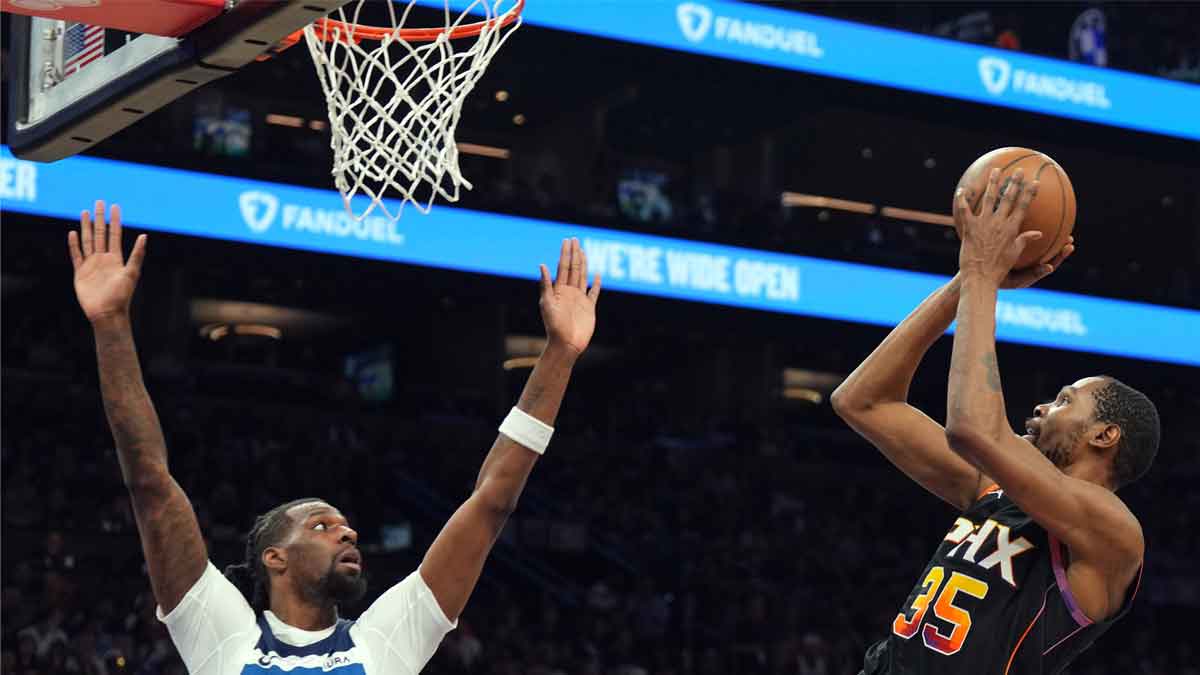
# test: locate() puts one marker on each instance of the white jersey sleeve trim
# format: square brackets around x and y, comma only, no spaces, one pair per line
[426,595]
[404,627]
[213,626]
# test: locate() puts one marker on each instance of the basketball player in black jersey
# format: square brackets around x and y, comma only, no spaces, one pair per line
[1044,556]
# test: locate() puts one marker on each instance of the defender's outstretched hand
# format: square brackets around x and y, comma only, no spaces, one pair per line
[568,305]
[455,560]
[104,281]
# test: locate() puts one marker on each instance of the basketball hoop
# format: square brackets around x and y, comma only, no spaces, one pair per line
[395,96]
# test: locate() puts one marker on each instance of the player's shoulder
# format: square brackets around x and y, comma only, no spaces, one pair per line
[1109,510]
[1133,537]
[1114,533]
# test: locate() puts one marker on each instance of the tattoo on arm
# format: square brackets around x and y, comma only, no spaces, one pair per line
[993,370]
[171,538]
[131,415]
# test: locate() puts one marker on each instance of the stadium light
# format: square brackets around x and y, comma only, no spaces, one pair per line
[817,201]
[917,216]
[484,150]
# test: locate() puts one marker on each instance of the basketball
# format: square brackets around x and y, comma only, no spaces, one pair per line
[1052,211]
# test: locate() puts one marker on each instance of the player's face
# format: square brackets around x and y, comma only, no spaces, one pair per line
[1057,427]
[324,553]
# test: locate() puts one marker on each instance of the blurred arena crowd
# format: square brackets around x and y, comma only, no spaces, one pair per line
[1123,36]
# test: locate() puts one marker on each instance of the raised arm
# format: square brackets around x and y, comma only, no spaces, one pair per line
[455,559]
[104,286]
[873,399]
[1104,538]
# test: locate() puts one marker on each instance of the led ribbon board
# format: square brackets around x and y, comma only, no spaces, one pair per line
[271,214]
[891,58]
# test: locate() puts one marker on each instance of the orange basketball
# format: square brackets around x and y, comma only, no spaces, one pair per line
[1052,210]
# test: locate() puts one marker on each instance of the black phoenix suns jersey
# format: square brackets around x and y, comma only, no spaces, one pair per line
[994,600]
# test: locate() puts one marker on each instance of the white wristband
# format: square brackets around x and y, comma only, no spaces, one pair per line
[527,430]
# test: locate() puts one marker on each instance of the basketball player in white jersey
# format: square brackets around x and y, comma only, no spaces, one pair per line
[302,559]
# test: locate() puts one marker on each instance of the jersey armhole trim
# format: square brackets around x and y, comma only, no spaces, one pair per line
[1064,587]
[994,487]
[1137,584]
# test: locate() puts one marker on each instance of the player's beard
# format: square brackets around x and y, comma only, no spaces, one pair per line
[342,588]
[1056,448]
[1059,456]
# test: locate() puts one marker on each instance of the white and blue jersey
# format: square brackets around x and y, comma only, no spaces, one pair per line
[333,654]
[217,633]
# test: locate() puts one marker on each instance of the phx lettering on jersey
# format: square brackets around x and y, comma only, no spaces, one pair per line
[970,538]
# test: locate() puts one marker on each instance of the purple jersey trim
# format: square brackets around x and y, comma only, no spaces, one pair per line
[1064,589]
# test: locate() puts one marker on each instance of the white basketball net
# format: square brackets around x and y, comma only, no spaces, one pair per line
[394,105]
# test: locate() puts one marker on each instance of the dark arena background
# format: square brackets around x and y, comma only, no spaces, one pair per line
[701,510]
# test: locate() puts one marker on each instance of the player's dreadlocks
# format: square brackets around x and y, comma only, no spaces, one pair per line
[269,529]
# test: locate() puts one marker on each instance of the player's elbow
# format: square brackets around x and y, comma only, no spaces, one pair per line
[497,504]
[845,403]
[149,489]
[968,440]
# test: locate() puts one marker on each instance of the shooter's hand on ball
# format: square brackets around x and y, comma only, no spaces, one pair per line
[1028,277]
[104,282]
[1023,278]
[568,306]
[992,241]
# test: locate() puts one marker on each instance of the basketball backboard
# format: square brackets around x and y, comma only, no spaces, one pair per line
[76,83]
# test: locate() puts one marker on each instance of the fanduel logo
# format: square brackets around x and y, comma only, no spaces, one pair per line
[1041,319]
[259,210]
[696,19]
[996,74]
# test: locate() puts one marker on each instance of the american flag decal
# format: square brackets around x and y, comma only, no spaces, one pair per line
[82,44]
